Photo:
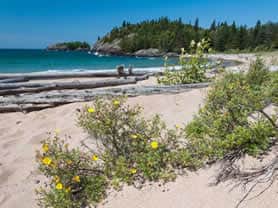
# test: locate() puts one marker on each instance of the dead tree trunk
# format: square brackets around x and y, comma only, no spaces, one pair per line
[36,88]
[29,102]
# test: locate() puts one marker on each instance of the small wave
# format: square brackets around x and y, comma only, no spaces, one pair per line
[147,69]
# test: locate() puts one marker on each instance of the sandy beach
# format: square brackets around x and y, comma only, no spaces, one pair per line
[21,134]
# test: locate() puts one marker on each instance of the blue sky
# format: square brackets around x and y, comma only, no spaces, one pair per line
[37,23]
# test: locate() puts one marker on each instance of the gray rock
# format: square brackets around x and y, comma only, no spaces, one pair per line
[151,52]
[172,54]
[112,48]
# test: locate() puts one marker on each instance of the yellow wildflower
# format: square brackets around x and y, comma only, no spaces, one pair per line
[154,144]
[94,157]
[91,110]
[76,179]
[59,186]
[134,136]
[192,44]
[56,179]
[68,189]
[116,102]
[133,171]
[47,160]
[45,147]
[69,162]
[177,126]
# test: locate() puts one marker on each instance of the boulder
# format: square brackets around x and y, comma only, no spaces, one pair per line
[172,54]
[151,52]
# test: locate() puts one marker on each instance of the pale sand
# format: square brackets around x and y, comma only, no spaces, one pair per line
[20,136]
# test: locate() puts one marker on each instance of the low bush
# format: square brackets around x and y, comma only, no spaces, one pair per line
[233,118]
[131,143]
[76,177]
[193,67]
[131,150]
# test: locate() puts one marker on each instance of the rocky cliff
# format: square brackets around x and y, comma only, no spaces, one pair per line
[114,48]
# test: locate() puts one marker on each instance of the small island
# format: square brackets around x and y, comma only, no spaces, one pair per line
[70,46]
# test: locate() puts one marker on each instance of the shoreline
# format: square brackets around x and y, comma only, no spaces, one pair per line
[232,60]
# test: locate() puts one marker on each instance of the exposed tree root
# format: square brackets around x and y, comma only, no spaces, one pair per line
[250,179]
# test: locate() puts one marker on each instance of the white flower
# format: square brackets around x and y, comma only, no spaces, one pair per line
[192,44]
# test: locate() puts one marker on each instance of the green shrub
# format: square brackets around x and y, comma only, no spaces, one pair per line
[272,88]
[258,74]
[193,68]
[224,125]
[131,143]
[76,178]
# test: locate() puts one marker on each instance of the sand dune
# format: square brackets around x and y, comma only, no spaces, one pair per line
[20,136]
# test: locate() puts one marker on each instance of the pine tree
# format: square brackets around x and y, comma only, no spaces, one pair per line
[213,26]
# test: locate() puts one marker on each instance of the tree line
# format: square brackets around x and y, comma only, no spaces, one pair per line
[172,35]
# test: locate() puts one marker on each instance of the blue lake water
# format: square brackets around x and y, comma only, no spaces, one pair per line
[19,60]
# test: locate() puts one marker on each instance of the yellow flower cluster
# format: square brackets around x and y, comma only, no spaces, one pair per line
[69,162]
[133,171]
[116,102]
[59,186]
[154,144]
[91,110]
[94,157]
[56,179]
[45,148]
[68,189]
[133,136]
[76,179]
[46,160]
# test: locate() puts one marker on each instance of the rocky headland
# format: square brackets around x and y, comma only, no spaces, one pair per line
[114,48]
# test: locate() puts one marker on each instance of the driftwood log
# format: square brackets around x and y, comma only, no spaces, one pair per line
[13,80]
[64,75]
[38,101]
[35,88]
[72,85]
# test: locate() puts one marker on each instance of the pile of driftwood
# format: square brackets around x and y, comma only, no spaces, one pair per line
[19,93]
